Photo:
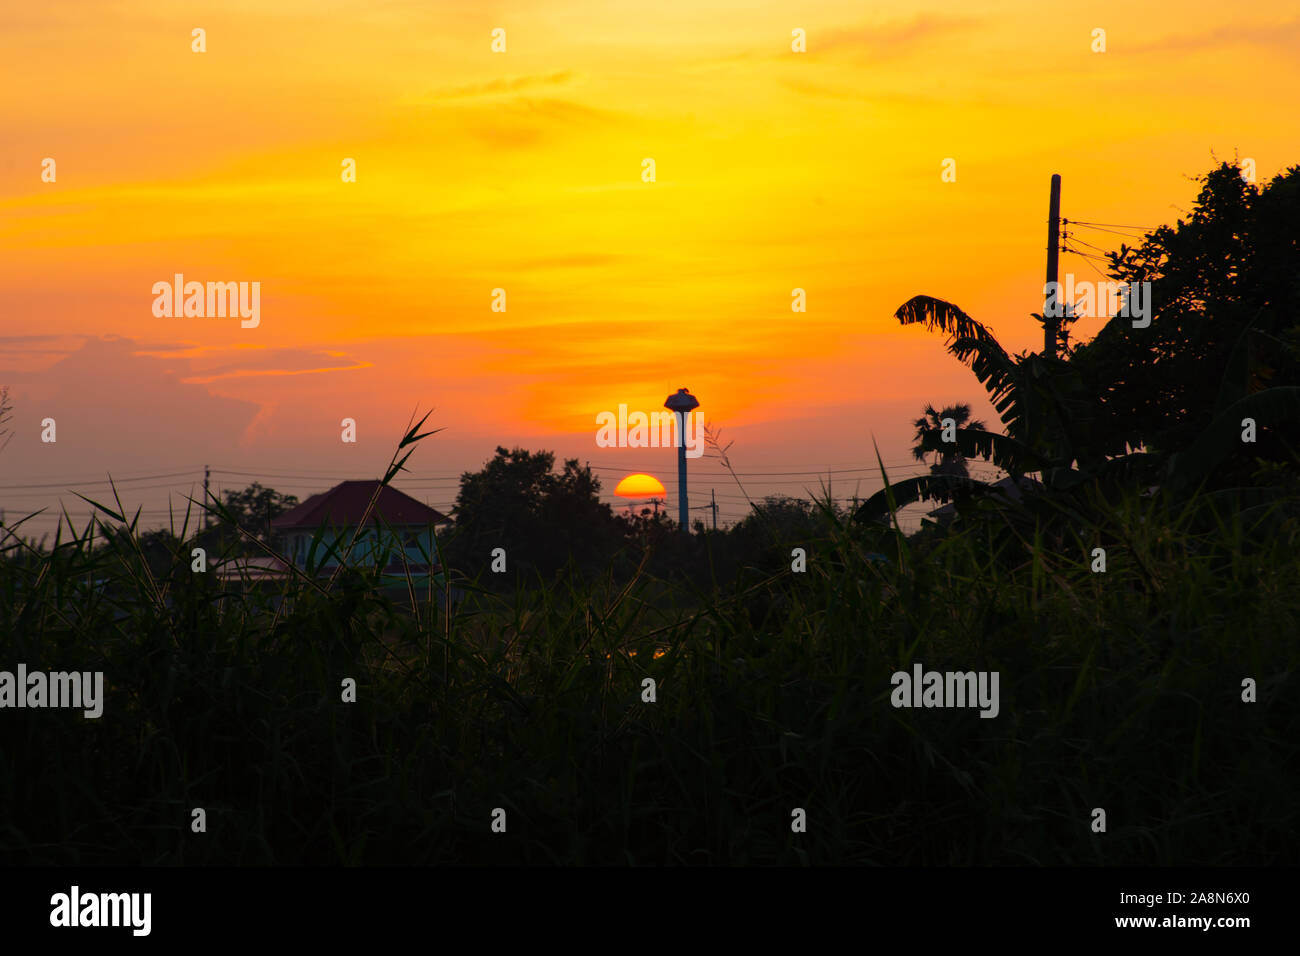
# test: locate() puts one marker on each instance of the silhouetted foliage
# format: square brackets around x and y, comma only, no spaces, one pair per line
[950,459]
[542,519]
[256,506]
[1225,317]
[1159,405]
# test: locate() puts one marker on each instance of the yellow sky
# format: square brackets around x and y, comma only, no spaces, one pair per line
[522,170]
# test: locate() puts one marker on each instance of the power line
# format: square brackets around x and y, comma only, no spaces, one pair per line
[769,477]
[309,474]
[104,481]
[125,477]
[413,480]
[899,470]
[1114,232]
[1113,225]
[1104,252]
[750,474]
[1088,259]
[312,477]
[1086,255]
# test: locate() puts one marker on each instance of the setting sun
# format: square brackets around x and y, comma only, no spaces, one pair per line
[640,486]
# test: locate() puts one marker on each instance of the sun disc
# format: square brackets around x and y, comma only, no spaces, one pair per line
[640,486]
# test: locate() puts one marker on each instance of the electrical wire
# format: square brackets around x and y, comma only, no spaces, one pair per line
[1088,259]
[1111,225]
[104,481]
[1089,245]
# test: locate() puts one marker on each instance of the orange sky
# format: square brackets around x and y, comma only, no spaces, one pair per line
[522,170]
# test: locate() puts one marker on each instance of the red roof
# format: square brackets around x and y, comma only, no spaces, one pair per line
[343,506]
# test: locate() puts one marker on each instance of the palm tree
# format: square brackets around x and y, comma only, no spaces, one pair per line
[950,458]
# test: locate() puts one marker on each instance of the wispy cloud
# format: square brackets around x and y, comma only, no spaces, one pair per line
[218,365]
[212,363]
[122,410]
[1285,37]
[878,41]
[525,121]
[506,85]
[254,372]
[865,42]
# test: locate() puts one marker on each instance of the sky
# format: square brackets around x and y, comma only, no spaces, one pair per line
[523,169]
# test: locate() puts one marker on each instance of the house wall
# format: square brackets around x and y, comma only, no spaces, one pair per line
[370,545]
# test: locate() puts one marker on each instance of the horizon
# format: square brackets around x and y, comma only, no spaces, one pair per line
[478,171]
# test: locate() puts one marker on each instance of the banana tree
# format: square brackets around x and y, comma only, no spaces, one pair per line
[1053,420]
[1047,408]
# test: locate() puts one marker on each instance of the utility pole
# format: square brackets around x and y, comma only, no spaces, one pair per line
[713,503]
[1052,323]
[207,475]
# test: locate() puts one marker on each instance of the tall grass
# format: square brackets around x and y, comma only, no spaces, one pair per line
[1119,690]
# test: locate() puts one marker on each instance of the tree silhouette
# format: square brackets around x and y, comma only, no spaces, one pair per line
[949,460]
[542,519]
[1225,292]
[1159,405]
[256,506]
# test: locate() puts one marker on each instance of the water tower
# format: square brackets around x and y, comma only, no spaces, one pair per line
[680,404]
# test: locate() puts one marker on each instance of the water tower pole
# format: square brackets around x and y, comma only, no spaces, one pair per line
[681,404]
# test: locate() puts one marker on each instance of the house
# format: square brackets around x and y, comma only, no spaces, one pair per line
[317,532]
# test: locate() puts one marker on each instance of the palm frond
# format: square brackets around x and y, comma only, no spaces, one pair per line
[1008,453]
[923,488]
